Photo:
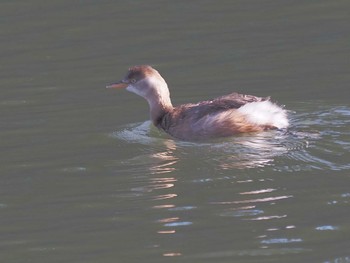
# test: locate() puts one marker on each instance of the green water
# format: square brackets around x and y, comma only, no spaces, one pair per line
[84,177]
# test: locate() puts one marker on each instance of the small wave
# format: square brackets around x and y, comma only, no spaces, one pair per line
[136,133]
[326,134]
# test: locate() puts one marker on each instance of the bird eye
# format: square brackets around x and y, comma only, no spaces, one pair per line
[133,80]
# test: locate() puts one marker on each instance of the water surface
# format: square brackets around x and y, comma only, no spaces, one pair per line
[85,177]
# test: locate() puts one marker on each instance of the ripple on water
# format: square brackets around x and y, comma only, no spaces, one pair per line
[142,133]
[317,139]
[327,228]
[250,252]
[281,240]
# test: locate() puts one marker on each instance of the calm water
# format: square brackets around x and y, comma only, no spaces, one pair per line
[84,177]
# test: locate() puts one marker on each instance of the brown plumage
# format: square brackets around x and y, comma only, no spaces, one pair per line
[220,117]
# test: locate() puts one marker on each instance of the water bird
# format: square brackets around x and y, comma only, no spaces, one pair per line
[221,117]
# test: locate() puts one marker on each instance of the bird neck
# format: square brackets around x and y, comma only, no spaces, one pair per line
[159,106]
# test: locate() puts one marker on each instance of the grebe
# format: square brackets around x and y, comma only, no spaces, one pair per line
[221,117]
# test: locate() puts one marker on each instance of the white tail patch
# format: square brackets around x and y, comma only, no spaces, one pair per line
[265,113]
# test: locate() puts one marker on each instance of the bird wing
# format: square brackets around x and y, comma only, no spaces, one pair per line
[230,101]
[236,100]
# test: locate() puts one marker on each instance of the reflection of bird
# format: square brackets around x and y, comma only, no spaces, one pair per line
[220,117]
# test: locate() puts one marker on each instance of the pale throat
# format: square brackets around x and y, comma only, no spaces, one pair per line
[159,103]
[157,94]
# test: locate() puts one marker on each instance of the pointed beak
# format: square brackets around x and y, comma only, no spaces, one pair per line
[118,85]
